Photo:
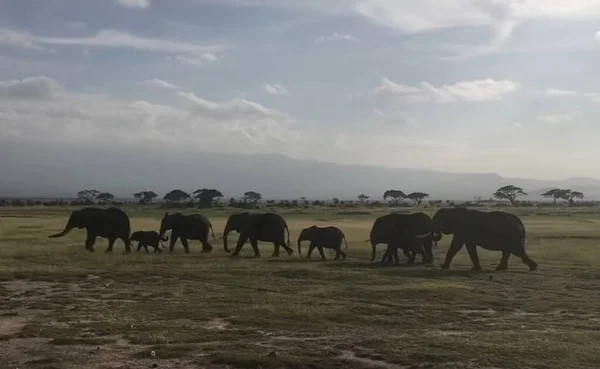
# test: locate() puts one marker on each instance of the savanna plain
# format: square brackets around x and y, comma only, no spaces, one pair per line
[63,307]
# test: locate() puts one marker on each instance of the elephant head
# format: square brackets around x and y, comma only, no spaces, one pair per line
[165,224]
[235,223]
[305,235]
[135,236]
[450,220]
[78,219]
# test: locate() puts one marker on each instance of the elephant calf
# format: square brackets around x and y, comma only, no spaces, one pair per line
[147,238]
[323,237]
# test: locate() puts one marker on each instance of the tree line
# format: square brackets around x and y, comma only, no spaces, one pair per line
[210,197]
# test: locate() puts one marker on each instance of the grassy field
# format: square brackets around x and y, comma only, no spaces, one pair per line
[62,307]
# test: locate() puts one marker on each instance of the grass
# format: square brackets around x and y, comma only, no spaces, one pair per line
[61,306]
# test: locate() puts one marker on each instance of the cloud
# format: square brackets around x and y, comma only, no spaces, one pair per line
[477,90]
[22,40]
[197,61]
[276,89]
[109,39]
[557,92]
[398,118]
[39,109]
[560,118]
[134,4]
[159,83]
[337,36]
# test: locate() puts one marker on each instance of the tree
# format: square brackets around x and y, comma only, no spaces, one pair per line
[252,197]
[558,193]
[206,197]
[362,197]
[576,195]
[176,196]
[417,197]
[145,197]
[87,196]
[509,193]
[394,195]
[105,197]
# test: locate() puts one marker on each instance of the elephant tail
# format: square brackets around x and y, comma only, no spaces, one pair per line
[288,233]
[345,241]
[211,229]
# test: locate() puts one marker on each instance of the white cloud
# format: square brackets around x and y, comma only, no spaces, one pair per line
[337,36]
[560,118]
[210,56]
[86,52]
[107,38]
[276,89]
[477,90]
[398,117]
[22,40]
[159,83]
[134,4]
[558,92]
[40,109]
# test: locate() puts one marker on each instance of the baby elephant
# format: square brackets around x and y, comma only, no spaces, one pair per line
[320,237]
[147,238]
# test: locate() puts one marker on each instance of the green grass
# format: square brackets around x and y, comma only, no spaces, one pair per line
[61,306]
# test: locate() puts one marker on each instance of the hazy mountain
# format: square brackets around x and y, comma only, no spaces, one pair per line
[56,171]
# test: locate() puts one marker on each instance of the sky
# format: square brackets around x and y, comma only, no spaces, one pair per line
[509,86]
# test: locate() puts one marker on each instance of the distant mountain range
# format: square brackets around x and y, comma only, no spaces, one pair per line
[56,171]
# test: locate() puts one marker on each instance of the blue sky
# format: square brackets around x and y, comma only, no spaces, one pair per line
[458,85]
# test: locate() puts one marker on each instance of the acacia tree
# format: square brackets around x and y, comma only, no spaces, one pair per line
[576,195]
[105,197]
[394,195]
[558,193]
[362,198]
[206,197]
[87,196]
[417,197]
[509,193]
[176,196]
[145,197]
[252,197]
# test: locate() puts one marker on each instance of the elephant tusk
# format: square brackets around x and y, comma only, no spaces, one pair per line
[424,235]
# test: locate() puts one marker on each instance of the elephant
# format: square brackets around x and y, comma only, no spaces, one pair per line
[148,238]
[111,223]
[187,227]
[269,227]
[323,237]
[413,233]
[495,230]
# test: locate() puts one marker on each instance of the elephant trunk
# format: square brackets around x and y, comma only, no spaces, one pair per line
[373,244]
[67,229]
[225,233]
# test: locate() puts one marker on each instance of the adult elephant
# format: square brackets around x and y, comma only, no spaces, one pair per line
[187,227]
[323,237]
[111,223]
[495,230]
[268,227]
[412,232]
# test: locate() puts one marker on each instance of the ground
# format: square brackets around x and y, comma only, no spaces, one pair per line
[62,307]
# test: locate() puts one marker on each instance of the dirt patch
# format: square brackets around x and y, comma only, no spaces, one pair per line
[349,355]
[219,324]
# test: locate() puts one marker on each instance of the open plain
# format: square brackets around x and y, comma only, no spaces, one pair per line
[63,307]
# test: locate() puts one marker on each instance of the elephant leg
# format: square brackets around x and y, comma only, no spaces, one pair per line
[411,257]
[320,248]
[526,259]
[472,249]
[89,242]
[504,261]
[127,243]
[337,253]
[146,247]
[206,246]
[254,244]
[185,244]
[342,253]
[139,246]
[111,243]
[241,241]
[407,254]
[455,246]
[310,249]
[286,248]
[428,250]
[174,238]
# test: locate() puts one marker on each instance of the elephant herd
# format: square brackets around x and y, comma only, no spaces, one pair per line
[413,233]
